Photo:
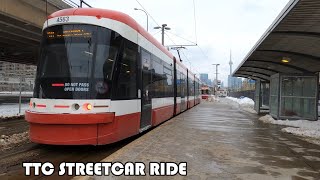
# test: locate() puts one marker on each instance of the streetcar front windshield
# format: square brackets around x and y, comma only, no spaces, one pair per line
[76,62]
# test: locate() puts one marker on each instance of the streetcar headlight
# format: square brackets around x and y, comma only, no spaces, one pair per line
[87,106]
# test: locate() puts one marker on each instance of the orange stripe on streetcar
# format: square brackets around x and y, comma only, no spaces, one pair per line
[61,106]
[57,85]
[41,105]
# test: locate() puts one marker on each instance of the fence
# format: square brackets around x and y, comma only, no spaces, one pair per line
[238,94]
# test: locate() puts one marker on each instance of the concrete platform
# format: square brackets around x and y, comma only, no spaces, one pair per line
[219,141]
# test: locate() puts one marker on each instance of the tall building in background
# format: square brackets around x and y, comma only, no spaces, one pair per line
[230,63]
[205,79]
[11,73]
[234,83]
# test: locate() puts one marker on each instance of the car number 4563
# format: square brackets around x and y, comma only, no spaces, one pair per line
[63,19]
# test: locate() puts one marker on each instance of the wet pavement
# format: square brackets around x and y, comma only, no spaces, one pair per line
[219,141]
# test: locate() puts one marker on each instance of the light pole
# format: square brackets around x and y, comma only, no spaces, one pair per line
[146,15]
[216,83]
[163,27]
[216,72]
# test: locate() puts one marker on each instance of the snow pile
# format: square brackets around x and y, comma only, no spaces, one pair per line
[245,103]
[12,111]
[302,132]
[294,123]
[268,119]
[7,142]
[303,128]
[250,110]
[213,98]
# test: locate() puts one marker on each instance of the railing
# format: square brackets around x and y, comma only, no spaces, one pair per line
[75,5]
[265,93]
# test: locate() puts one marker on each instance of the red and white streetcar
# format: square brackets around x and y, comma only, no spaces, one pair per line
[102,78]
[206,92]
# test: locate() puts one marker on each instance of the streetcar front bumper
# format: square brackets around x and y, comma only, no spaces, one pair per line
[66,129]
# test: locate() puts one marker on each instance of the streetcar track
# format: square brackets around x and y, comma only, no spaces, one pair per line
[11,159]
[30,146]
[11,162]
[13,126]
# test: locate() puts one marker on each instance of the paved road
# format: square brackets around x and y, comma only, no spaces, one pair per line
[218,141]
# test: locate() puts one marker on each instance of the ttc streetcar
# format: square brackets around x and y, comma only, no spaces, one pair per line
[102,78]
[206,92]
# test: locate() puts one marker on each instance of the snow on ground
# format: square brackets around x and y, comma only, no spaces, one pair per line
[303,128]
[245,104]
[7,142]
[12,110]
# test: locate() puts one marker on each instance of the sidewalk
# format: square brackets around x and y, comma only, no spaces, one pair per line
[218,141]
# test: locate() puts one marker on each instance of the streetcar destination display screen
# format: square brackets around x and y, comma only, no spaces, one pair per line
[69,33]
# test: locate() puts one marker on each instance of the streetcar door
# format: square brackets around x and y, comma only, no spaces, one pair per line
[146,105]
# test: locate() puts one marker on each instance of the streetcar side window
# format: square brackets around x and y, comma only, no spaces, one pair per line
[126,86]
[162,78]
[168,83]
[183,85]
[191,87]
[178,74]
[195,88]
[157,87]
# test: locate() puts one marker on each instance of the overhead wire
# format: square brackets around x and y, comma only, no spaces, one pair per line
[195,68]
[183,38]
[74,4]
[203,53]
[195,43]
[148,13]
[156,33]
[169,38]
[195,21]
[71,3]
[195,27]
[195,30]
[191,65]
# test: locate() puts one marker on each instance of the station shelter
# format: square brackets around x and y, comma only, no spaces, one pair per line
[285,63]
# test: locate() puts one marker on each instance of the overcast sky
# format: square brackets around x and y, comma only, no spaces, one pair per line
[221,25]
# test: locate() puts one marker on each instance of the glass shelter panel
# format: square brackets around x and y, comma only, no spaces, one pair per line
[265,94]
[298,97]
[257,97]
[274,95]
